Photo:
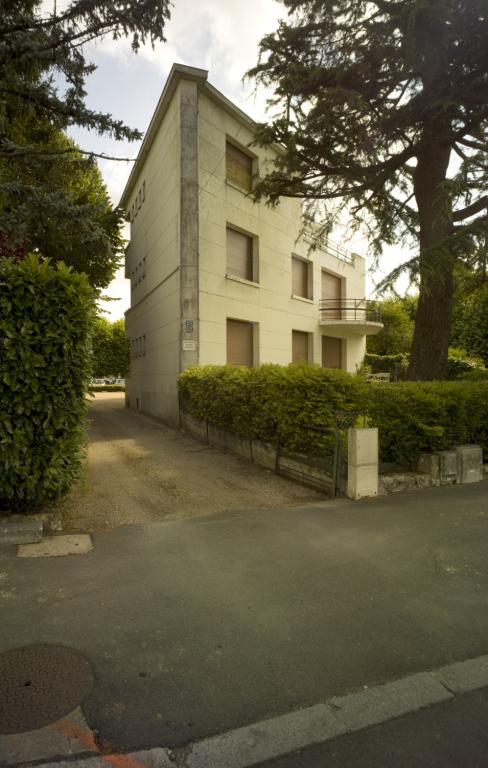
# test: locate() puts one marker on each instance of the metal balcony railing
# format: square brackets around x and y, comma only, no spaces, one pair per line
[352,310]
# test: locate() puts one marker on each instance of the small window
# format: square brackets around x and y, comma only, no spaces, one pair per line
[301,277]
[240,255]
[240,343]
[299,345]
[143,191]
[238,168]
[331,352]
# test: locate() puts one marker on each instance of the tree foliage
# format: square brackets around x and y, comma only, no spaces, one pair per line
[372,100]
[51,195]
[397,332]
[111,353]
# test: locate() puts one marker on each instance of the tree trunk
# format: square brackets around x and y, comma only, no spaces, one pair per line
[433,320]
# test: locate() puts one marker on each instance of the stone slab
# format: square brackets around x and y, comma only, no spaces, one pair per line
[68,737]
[58,546]
[465,676]
[384,702]
[20,529]
[264,454]
[429,464]
[469,460]
[266,740]
[195,427]
[447,467]
[403,481]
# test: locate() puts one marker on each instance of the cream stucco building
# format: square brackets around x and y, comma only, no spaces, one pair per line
[215,277]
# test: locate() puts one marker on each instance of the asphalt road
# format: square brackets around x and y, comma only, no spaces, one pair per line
[199,626]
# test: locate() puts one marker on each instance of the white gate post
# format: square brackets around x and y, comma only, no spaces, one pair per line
[362,462]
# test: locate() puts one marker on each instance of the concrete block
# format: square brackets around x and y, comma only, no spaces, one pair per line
[362,481]
[20,529]
[193,426]
[217,436]
[447,467]
[239,445]
[429,464]
[264,454]
[362,470]
[362,446]
[469,460]
[305,472]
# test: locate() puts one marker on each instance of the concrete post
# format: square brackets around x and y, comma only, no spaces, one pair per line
[362,463]
[189,255]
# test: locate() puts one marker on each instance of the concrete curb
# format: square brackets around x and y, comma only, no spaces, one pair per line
[256,743]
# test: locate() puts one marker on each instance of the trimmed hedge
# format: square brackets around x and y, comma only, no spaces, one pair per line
[271,400]
[46,314]
[412,417]
[106,388]
[416,417]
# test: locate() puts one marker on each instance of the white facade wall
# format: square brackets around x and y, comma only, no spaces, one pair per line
[155,299]
[162,241]
[270,303]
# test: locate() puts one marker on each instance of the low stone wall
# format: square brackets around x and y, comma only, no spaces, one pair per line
[297,467]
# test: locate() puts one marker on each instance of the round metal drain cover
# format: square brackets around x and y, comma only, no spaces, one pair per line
[40,684]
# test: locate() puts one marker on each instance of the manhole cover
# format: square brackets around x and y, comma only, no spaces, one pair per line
[40,684]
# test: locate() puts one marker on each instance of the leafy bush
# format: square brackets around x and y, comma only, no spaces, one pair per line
[395,364]
[271,400]
[45,320]
[412,417]
[458,363]
[415,417]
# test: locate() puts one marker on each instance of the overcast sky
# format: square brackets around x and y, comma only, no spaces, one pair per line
[221,36]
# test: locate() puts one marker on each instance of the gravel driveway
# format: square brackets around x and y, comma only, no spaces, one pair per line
[141,471]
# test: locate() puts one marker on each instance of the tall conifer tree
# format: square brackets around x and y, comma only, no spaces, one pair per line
[381,108]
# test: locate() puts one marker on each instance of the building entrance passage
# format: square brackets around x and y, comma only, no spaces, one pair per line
[331,352]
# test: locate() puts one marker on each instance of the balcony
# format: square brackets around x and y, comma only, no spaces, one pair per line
[343,317]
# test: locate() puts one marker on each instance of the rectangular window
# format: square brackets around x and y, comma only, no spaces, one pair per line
[239,254]
[238,168]
[331,352]
[331,295]
[299,347]
[240,343]
[301,278]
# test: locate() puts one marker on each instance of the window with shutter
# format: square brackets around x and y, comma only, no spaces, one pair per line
[299,347]
[239,254]
[331,352]
[238,168]
[301,285]
[332,295]
[240,343]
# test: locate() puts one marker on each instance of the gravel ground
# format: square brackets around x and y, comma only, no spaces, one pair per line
[141,471]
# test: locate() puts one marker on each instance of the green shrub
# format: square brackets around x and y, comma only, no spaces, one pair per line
[45,320]
[271,400]
[457,364]
[415,417]
[395,364]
